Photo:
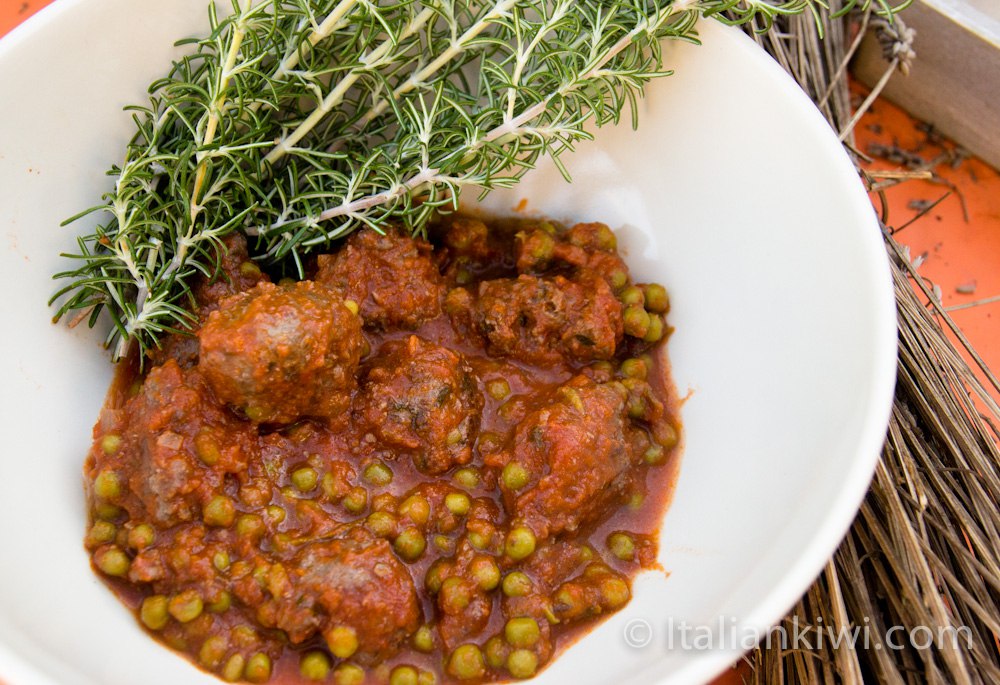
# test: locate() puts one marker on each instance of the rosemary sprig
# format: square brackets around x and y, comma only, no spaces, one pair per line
[298,121]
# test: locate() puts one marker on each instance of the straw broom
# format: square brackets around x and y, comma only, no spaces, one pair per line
[923,553]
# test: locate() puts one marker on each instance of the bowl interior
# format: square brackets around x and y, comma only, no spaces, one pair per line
[733,193]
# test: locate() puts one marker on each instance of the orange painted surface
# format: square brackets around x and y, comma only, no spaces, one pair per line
[957,247]
[13,12]
[958,254]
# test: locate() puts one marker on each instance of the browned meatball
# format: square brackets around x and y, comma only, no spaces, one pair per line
[172,454]
[281,353]
[422,398]
[236,273]
[575,451]
[350,589]
[543,319]
[391,276]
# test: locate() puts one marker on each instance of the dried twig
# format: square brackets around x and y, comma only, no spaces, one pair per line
[924,551]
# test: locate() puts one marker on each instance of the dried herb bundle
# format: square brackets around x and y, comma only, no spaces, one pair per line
[924,551]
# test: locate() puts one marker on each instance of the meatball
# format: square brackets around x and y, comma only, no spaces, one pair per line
[422,398]
[353,591]
[391,276]
[173,452]
[236,273]
[546,319]
[569,458]
[281,353]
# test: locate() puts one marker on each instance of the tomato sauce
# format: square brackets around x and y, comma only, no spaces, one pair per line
[431,461]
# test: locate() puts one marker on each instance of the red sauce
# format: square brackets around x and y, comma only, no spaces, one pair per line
[429,462]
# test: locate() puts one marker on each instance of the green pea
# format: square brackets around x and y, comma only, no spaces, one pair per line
[637,406]
[275,513]
[498,389]
[522,663]
[618,279]
[457,503]
[633,295]
[221,603]
[410,544]
[315,665]
[466,663]
[342,641]
[434,578]
[112,561]
[416,508]
[478,539]
[542,246]
[186,606]
[485,572]
[520,543]
[615,592]
[496,651]
[111,443]
[153,612]
[378,474]
[634,368]
[514,476]
[356,500]
[352,307]
[655,331]
[455,436]
[443,543]
[654,455]
[233,670]
[141,536]
[213,651]
[258,668]
[467,478]
[250,526]
[108,485]
[423,639]
[455,595]
[516,584]
[381,523]
[220,560]
[219,511]
[427,678]
[636,321]
[635,500]
[573,397]
[522,632]
[348,674]
[206,448]
[305,478]
[107,512]
[622,546]
[403,675]
[605,238]
[100,533]
[657,299]
[249,269]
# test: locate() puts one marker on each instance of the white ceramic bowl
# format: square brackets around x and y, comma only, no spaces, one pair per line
[733,193]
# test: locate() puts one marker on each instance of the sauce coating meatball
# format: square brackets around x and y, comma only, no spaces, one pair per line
[572,451]
[281,353]
[172,451]
[422,398]
[542,319]
[391,276]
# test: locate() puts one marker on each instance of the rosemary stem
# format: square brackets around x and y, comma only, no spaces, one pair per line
[336,96]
